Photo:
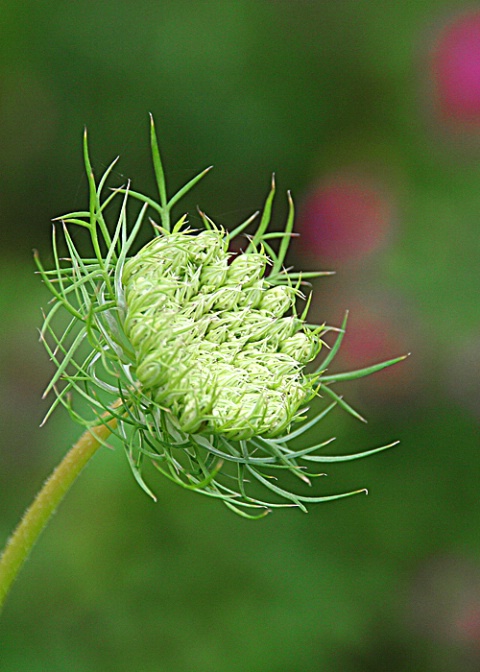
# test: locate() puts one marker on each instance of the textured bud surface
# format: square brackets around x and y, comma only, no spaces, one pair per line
[210,337]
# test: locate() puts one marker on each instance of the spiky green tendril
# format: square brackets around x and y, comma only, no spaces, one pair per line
[205,351]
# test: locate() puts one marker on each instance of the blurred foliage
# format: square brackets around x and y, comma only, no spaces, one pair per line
[307,88]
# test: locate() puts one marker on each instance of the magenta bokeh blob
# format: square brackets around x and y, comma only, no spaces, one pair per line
[456,69]
[345,218]
[372,336]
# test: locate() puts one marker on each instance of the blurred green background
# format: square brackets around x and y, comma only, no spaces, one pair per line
[360,110]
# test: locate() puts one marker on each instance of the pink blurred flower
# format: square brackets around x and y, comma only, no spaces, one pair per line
[455,66]
[346,217]
[374,334]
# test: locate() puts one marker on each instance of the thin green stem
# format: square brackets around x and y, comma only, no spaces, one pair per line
[37,516]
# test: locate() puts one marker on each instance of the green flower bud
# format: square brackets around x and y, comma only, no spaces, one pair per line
[200,357]
[302,346]
[251,296]
[214,275]
[246,268]
[278,300]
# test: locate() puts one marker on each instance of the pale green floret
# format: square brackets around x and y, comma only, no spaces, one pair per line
[278,300]
[246,268]
[211,339]
[304,346]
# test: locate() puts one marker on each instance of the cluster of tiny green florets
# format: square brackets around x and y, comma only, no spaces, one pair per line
[216,343]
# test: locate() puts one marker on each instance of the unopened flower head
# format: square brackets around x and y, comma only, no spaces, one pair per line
[199,353]
[212,339]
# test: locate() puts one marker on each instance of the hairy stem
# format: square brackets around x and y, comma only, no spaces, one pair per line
[44,505]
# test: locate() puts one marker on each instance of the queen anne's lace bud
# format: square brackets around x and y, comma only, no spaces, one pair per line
[199,355]
[219,328]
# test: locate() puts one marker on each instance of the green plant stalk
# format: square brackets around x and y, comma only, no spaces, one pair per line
[46,502]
